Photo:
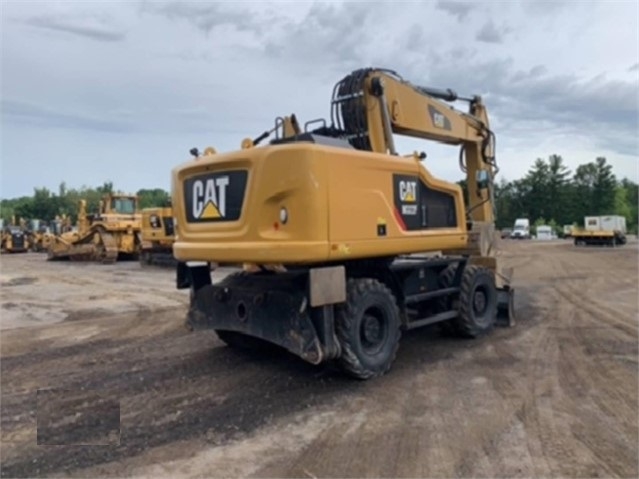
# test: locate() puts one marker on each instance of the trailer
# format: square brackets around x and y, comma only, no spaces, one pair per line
[544,232]
[609,230]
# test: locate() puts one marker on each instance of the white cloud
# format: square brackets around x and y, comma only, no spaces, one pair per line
[121,91]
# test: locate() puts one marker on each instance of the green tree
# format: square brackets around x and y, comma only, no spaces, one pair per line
[156,197]
[583,191]
[557,190]
[536,186]
[604,188]
[627,203]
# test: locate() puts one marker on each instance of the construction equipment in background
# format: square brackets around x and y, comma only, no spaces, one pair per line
[601,231]
[110,235]
[14,237]
[157,237]
[350,243]
[40,236]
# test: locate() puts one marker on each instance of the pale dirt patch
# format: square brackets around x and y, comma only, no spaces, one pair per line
[555,396]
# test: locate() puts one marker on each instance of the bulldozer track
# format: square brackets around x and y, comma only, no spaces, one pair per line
[108,253]
[157,259]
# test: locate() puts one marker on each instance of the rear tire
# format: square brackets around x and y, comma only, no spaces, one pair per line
[477,302]
[368,329]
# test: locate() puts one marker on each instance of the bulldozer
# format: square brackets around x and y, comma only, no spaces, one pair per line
[157,237]
[347,244]
[14,237]
[39,235]
[112,234]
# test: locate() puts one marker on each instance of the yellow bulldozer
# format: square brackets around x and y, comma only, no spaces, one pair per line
[40,236]
[112,234]
[14,237]
[157,237]
[350,242]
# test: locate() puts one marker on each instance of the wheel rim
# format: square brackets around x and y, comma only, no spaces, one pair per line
[480,301]
[373,330]
[480,305]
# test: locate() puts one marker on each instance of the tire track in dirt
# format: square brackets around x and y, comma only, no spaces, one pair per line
[251,395]
[560,378]
[547,398]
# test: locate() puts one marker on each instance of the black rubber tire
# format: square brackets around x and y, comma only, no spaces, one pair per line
[368,302]
[472,323]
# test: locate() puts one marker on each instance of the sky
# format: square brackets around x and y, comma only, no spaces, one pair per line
[121,91]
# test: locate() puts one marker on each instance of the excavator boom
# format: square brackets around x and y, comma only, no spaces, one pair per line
[369,106]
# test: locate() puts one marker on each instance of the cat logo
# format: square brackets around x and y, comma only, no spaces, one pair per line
[209,198]
[407,191]
[439,119]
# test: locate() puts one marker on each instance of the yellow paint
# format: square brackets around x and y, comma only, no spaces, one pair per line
[210,211]
[333,196]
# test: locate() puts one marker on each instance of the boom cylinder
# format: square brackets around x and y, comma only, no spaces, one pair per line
[443,94]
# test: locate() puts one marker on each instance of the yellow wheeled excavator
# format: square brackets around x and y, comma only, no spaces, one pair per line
[111,234]
[157,237]
[349,242]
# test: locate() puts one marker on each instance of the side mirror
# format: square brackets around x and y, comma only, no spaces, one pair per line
[482,179]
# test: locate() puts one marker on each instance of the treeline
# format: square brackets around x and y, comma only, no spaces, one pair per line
[550,193]
[45,204]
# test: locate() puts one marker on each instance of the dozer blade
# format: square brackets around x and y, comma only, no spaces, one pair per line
[105,252]
[80,252]
[269,307]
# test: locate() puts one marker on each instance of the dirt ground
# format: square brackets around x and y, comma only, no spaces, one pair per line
[100,378]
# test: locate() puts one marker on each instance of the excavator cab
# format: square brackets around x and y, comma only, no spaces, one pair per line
[112,204]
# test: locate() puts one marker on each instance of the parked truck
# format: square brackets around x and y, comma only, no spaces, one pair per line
[568,231]
[521,229]
[609,230]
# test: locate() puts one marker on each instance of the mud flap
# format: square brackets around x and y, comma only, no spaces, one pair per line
[266,307]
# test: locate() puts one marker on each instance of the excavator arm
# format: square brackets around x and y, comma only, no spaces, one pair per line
[371,105]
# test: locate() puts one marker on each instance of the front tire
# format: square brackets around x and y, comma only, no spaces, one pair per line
[368,329]
[477,302]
